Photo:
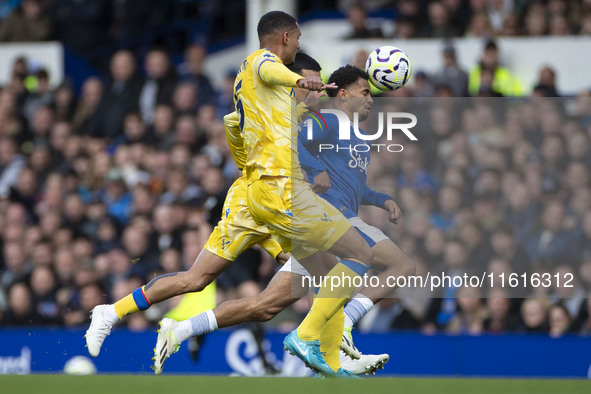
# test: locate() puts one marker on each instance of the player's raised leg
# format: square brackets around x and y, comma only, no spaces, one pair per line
[393,263]
[279,294]
[206,268]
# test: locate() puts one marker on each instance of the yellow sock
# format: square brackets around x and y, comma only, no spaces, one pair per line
[132,303]
[330,339]
[330,298]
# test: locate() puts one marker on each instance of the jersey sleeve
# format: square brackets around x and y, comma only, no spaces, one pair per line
[308,162]
[371,197]
[312,132]
[269,68]
[235,140]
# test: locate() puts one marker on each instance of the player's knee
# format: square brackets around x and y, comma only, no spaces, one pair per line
[265,308]
[408,267]
[192,283]
[365,254]
[266,313]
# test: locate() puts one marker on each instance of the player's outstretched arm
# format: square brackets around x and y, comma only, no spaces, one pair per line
[272,72]
[315,83]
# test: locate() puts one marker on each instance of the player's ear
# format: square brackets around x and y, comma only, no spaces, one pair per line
[285,38]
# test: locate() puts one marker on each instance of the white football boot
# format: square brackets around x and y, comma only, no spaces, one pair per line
[100,326]
[365,365]
[166,344]
[347,345]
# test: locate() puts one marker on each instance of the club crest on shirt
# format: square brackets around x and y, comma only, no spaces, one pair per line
[358,161]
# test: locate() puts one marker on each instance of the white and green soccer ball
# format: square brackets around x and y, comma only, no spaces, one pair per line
[388,67]
[79,365]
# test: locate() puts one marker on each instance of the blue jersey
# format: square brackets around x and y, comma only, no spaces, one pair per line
[346,167]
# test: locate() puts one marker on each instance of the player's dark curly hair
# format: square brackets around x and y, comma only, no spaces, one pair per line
[303,61]
[275,21]
[344,77]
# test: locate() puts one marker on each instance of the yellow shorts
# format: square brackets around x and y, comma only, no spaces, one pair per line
[237,231]
[300,220]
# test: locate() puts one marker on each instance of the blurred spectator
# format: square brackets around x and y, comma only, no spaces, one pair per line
[536,24]
[360,26]
[443,308]
[551,243]
[534,316]
[559,26]
[546,85]
[451,74]
[479,26]
[559,321]
[16,268]
[448,202]
[180,188]
[471,313]
[439,24]
[422,86]
[90,295]
[21,310]
[413,172]
[64,102]
[11,163]
[26,191]
[185,98]
[500,79]
[162,126]
[499,318]
[166,235]
[159,85]
[404,28]
[116,197]
[41,97]
[43,286]
[120,98]
[28,22]
[136,243]
[511,26]
[498,10]
[585,29]
[92,92]
[192,70]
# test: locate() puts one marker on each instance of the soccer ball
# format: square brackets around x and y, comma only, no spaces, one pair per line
[388,68]
[79,365]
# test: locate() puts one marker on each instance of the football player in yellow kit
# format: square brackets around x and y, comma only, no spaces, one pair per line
[278,197]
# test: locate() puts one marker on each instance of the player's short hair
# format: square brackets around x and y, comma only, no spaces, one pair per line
[303,61]
[344,77]
[275,21]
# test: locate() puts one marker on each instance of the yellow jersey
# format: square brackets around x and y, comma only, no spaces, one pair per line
[266,107]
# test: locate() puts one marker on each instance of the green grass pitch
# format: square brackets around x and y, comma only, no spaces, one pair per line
[130,384]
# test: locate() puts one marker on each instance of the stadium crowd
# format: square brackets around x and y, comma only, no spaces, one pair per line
[98,193]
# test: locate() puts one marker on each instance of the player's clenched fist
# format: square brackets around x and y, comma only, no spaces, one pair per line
[393,210]
[314,83]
